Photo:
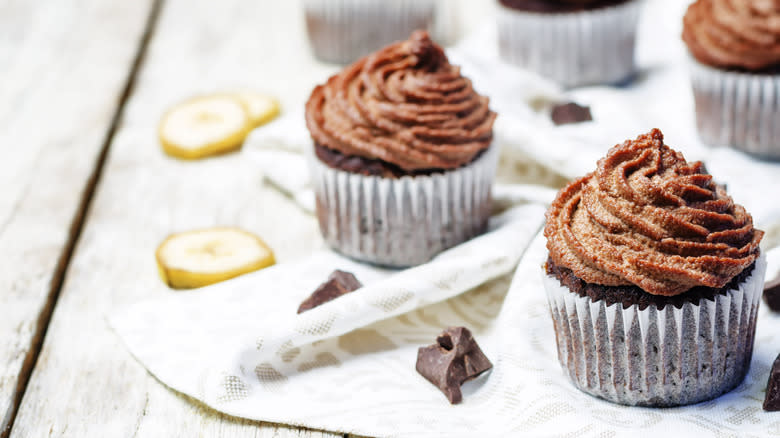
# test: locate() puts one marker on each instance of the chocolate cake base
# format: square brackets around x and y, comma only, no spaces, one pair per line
[556,6]
[368,167]
[631,295]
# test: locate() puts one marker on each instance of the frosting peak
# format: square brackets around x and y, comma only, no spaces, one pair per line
[405,105]
[734,33]
[649,218]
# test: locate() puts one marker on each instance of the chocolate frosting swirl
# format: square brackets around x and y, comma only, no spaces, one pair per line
[405,105]
[742,34]
[649,218]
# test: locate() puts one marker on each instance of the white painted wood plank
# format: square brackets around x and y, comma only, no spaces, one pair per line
[86,383]
[63,68]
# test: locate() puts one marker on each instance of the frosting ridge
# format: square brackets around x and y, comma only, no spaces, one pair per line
[649,218]
[405,105]
[734,33]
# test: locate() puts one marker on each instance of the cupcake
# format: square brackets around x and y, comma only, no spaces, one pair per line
[654,277]
[403,163]
[735,72]
[574,42]
[341,31]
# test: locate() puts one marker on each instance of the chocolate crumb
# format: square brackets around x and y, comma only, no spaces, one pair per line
[454,358]
[772,294]
[570,113]
[338,284]
[772,400]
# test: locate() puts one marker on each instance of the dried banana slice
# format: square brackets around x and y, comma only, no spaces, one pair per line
[204,126]
[202,257]
[261,107]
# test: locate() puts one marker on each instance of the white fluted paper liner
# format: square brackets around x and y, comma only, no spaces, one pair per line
[655,357]
[575,48]
[741,110]
[342,31]
[403,221]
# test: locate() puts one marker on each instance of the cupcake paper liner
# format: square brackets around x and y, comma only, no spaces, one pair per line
[741,110]
[342,31]
[400,222]
[576,48]
[655,357]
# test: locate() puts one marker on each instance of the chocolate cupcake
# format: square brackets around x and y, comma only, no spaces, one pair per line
[574,42]
[735,71]
[654,279]
[341,31]
[403,163]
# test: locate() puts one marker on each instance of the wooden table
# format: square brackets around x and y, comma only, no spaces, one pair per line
[87,193]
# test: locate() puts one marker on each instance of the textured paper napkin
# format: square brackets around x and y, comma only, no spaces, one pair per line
[221,345]
[349,366]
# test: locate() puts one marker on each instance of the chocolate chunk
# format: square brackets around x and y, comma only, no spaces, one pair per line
[772,400]
[772,294]
[454,359]
[570,113]
[338,284]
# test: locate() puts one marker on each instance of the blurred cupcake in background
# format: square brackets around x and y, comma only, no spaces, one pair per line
[573,42]
[341,31]
[735,72]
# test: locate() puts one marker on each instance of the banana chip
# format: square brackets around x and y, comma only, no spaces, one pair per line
[203,257]
[262,108]
[205,126]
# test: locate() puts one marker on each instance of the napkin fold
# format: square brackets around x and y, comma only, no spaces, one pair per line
[240,347]
[280,157]
[220,345]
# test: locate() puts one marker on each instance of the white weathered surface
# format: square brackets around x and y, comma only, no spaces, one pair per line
[63,69]
[85,382]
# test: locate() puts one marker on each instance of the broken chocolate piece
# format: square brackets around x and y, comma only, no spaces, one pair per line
[570,113]
[772,400]
[338,284]
[454,359]
[772,294]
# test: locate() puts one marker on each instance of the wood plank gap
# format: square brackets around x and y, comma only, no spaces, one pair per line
[77,224]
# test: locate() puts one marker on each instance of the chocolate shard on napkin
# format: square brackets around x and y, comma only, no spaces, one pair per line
[570,113]
[338,284]
[772,400]
[454,358]
[772,294]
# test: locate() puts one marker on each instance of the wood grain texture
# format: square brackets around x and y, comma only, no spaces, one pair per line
[85,382]
[63,69]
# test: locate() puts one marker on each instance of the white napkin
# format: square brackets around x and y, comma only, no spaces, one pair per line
[240,347]
[349,365]
[205,344]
